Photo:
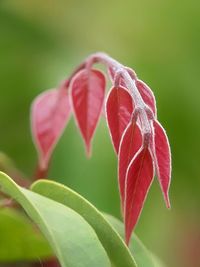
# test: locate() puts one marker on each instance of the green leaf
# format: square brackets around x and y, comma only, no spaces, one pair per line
[71,237]
[143,257]
[116,249]
[19,238]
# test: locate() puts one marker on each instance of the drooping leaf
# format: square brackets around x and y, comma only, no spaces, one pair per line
[49,115]
[162,156]
[119,108]
[130,144]
[72,239]
[113,244]
[147,95]
[138,181]
[144,90]
[143,257]
[87,90]
[20,240]
[112,73]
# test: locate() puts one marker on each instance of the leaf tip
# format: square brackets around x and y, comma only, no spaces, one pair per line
[88,150]
[127,238]
[167,201]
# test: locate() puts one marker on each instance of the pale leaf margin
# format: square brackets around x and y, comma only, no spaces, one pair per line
[70,236]
[143,257]
[114,245]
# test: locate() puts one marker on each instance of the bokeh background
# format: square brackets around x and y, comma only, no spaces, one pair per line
[40,44]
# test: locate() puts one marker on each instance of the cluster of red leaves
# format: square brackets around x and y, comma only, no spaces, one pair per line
[139,152]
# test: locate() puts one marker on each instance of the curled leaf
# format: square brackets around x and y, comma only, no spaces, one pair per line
[50,113]
[130,144]
[138,181]
[87,89]
[162,157]
[119,108]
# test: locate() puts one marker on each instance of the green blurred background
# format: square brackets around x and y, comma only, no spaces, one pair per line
[40,44]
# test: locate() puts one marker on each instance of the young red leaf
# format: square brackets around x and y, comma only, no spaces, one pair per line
[88,90]
[119,108]
[130,144]
[162,157]
[144,90]
[112,73]
[138,181]
[147,95]
[49,115]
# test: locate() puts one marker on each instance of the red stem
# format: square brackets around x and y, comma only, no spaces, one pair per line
[41,173]
[48,263]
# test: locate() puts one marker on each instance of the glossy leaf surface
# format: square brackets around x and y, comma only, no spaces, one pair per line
[49,115]
[138,180]
[162,159]
[115,247]
[20,239]
[87,90]
[143,257]
[130,144]
[119,108]
[72,239]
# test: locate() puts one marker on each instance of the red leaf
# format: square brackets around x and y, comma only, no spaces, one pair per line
[138,181]
[49,115]
[147,95]
[144,90]
[112,73]
[88,90]
[119,108]
[130,144]
[162,155]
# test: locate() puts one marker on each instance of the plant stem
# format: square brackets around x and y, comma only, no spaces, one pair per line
[8,203]
[48,263]
[129,81]
[40,173]
[128,77]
